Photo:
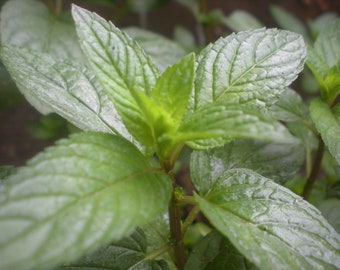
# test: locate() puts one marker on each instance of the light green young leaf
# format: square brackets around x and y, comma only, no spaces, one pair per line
[215,252]
[127,253]
[121,67]
[279,162]
[213,125]
[324,61]
[327,122]
[63,87]
[174,87]
[164,52]
[82,193]
[29,24]
[289,107]
[252,67]
[270,225]
[240,20]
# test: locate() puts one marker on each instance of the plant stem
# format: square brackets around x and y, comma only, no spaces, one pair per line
[154,254]
[175,225]
[190,218]
[315,169]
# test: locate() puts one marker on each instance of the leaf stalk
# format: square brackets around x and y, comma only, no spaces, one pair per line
[315,170]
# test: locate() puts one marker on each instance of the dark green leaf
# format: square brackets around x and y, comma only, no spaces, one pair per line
[215,252]
[327,122]
[279,162]
[121,67]
[252,67]
[127,253]
[270,225]
[80,194]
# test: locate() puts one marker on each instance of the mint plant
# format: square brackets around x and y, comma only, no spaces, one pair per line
[108,197]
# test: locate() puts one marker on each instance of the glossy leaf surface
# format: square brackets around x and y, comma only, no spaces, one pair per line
[214,125]
[270,225]
[252,67]
[82,193]
[63,87]
[121,67]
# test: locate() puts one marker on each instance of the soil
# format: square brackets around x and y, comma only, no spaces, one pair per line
[17,145]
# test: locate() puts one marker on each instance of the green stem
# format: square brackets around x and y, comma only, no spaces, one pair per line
[314,173]
[190,218]
[152,255]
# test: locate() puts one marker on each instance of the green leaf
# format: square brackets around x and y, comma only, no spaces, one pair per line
[324,61]
[164,52]
[280,162]
[330,210]
[28,23]
[327,44]
[322,22]
[82,193]
[127,253]
[185,38]
[174,87]
[121,67]
[213,125]
[251,67]
[288,21]
[327,122]
[270,225]
[240,20]
[63,87]
[215,252]
[289,107]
